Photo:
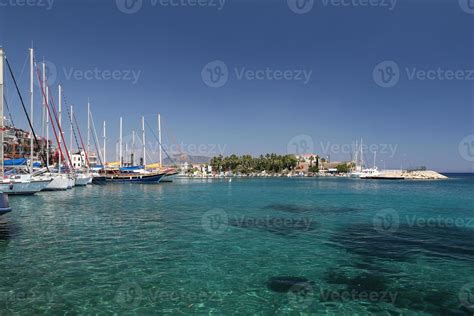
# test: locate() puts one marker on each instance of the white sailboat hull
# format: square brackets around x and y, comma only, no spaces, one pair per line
[59,182]
[83,180]
[71,182]
[23,188]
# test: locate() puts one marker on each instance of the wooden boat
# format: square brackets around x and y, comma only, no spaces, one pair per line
[121,177]
[171,174]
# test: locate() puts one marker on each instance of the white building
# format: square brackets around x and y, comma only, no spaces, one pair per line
[79,160]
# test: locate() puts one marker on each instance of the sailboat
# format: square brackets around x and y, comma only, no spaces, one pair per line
[133,174]
[171,173]
[83,176]
[60,181]
[358,162]
[14,183]
[371,172]
[359,170]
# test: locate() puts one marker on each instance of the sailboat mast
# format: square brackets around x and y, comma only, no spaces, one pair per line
[375,157]
[47,116]
[71,134]
[31,104]
[88,126]
[43,112]
[120,143]
[60,108]
[1,112]
[143,141]
[105,142]
[159,139]
[133,147]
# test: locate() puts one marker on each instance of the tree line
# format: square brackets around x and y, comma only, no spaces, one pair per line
[249,164]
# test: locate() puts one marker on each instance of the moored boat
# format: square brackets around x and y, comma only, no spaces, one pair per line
[23,185]
[99,180]
[59,182]
[83,179]
[134,177]
[71,181]
[170,175]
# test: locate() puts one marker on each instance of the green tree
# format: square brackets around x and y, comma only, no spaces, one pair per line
[342,168]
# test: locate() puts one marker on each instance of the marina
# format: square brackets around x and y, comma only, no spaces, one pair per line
[291,157]
[38,173]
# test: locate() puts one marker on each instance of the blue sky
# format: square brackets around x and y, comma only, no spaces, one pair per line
[310,76]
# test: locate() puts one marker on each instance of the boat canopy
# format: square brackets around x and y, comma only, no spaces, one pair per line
[131,168]
[153,166]
[15,162]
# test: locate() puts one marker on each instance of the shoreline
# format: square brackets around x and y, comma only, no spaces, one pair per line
[402,174]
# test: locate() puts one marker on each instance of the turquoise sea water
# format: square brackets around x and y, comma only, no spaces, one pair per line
[212,247]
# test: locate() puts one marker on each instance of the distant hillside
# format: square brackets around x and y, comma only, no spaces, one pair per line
[181,158]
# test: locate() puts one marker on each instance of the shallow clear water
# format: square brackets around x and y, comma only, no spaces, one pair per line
[210,247]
